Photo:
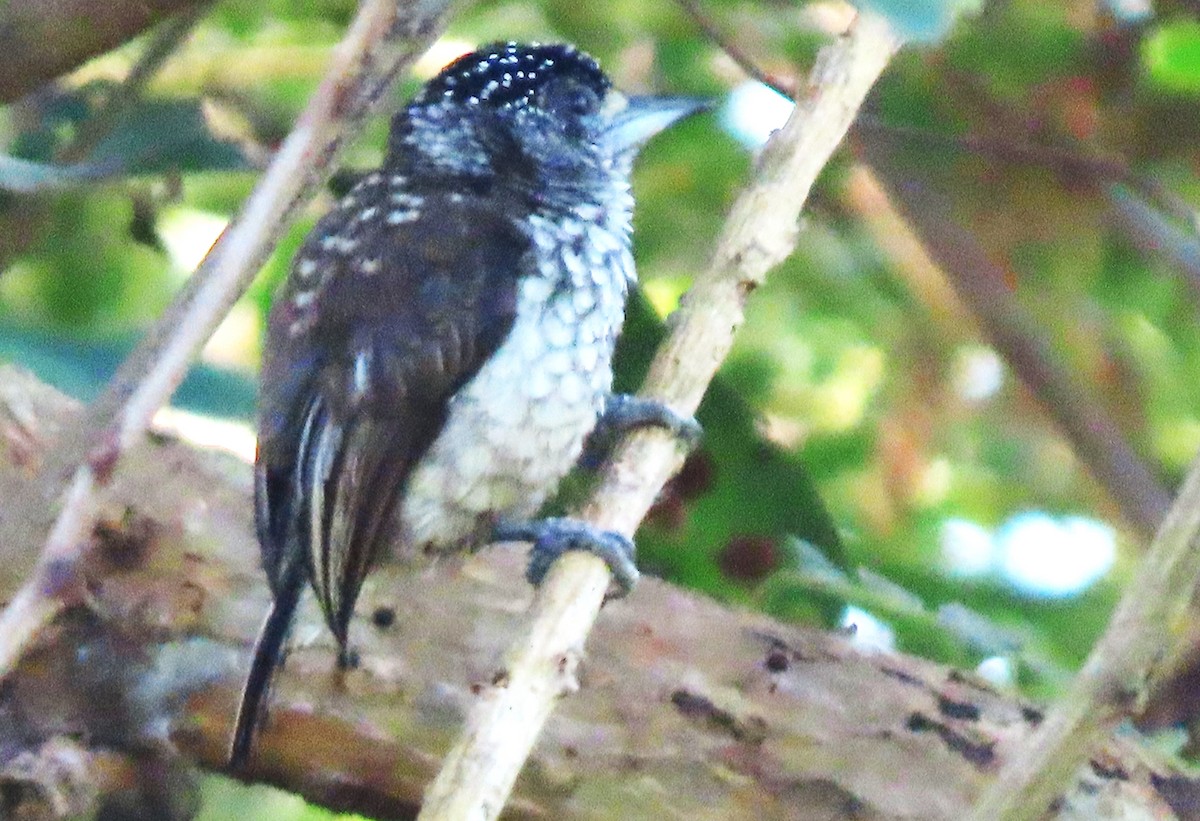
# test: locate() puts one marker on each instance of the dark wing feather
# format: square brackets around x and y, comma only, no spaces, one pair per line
[368,340]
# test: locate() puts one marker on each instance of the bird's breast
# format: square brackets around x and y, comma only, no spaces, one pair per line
[516,428]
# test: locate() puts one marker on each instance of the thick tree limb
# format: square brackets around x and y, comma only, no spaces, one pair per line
[1149,624]
[760,232]
[384,38]
[687,709]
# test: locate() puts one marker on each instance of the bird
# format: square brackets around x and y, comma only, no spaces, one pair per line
[441,350]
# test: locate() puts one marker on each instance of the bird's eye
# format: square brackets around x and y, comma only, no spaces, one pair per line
[582,102]
[570,99]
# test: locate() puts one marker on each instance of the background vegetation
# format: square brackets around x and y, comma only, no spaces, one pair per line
[954,505]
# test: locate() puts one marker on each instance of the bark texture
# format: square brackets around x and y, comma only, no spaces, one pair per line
[686,709]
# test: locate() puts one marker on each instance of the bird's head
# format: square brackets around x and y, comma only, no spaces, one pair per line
[544,114]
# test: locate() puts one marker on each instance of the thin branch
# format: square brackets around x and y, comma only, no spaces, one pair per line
[28,177]
[760,232]
[1074,164]
[162,44]
[734,52]
[1145,630]
[382,40]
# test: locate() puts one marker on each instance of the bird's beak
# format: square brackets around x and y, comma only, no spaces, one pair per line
[631,121]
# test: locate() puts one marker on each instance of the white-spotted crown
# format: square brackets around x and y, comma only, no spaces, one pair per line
[511,75]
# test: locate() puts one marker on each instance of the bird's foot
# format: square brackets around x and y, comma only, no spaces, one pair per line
[623,412]
[553,537]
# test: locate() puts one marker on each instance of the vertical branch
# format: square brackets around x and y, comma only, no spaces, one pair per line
[384,37]
[760,232]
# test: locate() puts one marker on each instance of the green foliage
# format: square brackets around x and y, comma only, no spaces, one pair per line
[849,426]
[85,270]
[1172,56]
[1017,51]
[166,136]
[224,798]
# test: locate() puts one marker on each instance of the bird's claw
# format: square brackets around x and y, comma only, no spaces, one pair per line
[623,412]
[553,537]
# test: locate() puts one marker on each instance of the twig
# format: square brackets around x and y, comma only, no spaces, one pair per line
[734,52]
[69,169]
[163,42]
[27,177]
[382,40]
[1078,163]
[1149,622]
[760,232]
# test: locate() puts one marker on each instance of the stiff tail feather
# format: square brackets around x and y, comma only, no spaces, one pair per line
[267,652]
[282,510]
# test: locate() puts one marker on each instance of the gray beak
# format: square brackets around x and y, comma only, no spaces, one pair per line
[631,121]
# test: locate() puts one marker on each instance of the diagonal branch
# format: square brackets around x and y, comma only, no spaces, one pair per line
[760,232]
[383,39]
[1146,628]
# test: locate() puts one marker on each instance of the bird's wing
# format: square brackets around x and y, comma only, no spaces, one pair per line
[393,304]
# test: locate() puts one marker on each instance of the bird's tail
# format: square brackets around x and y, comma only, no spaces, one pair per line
[320,519]
[267,652]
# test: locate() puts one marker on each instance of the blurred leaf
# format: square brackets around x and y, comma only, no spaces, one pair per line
[1022,46]
[87,272]
[738,498]
[166,135]
[81,367]
[1171,55]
